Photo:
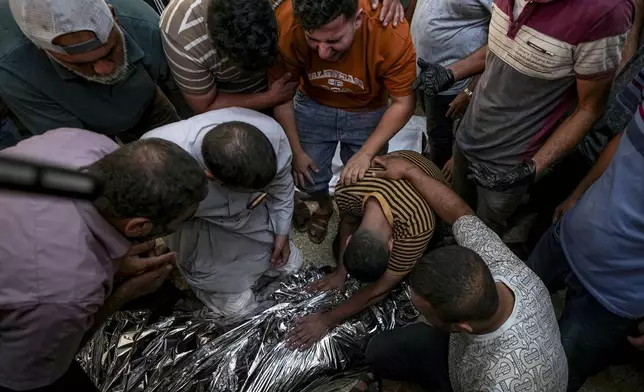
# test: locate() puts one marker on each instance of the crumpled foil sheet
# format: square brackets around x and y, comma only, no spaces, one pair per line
[195,351]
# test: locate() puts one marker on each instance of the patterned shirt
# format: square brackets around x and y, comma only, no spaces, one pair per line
[406,210]
[533,62]
[525,353]
[196,64]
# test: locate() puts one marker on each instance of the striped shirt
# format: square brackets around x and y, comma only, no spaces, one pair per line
[406,210]
[535,57]
[197,66]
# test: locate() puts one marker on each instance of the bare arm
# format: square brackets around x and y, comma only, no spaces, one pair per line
[592,101]
[471,65]
[599,168]
[285,115]
[368,296]
[633,37]
[280,91]
[444,201]
[214,100]
[395,117]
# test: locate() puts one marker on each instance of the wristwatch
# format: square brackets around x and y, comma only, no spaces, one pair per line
[468,92]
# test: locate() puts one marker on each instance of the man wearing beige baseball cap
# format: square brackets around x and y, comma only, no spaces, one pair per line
[87,64]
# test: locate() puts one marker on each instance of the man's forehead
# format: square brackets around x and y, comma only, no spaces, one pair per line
[336,28]
[74,38]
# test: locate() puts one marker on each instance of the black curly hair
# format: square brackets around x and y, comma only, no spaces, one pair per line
[313,14]
[245,31]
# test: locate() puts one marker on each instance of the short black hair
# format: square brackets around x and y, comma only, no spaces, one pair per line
[366,256]
[313,14]
[150,178]
[239,155]
[245,31]
[457,284]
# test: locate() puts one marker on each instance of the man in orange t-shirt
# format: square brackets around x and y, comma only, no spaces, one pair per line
[349,65]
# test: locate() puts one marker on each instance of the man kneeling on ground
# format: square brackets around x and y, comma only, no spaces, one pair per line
[500,329]
[242,228]
[61,257]
[385,228]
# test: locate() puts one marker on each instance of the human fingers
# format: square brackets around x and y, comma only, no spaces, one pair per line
[348,175]
[384,11]
[307,342]
[157,261]
[400,12]
[451,110]
[358,174]
[558,214]
[275,255]
[142,247]
[287,76]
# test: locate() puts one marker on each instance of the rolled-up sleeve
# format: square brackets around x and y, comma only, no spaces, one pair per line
[281,191]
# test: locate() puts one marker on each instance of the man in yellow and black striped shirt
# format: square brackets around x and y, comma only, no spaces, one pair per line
[385,228]
[410,219]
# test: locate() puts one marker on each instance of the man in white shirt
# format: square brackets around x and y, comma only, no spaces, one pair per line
[503,332]
[242,228]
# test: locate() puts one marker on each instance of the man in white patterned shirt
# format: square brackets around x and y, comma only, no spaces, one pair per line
[503,332]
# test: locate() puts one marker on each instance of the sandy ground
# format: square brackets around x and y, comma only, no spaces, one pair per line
[626,378]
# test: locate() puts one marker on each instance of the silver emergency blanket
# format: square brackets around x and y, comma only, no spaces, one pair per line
[196,351]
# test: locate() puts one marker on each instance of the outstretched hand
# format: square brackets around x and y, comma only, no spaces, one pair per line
[309,330]
[355,169]
[333,281]
[395,168]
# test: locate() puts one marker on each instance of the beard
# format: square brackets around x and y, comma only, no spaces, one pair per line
[121,73]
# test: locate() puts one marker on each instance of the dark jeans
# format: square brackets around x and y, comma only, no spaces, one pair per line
[439,127]
[416,353]
[494,208]
[592,337]
[74,380]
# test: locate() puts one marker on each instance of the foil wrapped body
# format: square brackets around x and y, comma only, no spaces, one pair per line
[195,351]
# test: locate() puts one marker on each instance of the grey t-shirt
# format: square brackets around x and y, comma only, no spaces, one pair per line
[446,31]
[531,69]
[525,353]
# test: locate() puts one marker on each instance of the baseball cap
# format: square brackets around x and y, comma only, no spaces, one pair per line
[42,21]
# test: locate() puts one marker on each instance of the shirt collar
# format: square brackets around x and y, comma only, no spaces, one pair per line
[134,54]
[114,242]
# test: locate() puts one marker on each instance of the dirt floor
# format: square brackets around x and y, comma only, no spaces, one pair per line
[626,378]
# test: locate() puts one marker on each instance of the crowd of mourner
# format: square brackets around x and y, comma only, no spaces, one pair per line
[209,122]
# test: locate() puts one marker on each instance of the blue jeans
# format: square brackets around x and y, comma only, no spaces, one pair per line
[592,336]
[321,128]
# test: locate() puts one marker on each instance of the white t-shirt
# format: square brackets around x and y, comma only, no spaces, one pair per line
[525,353]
